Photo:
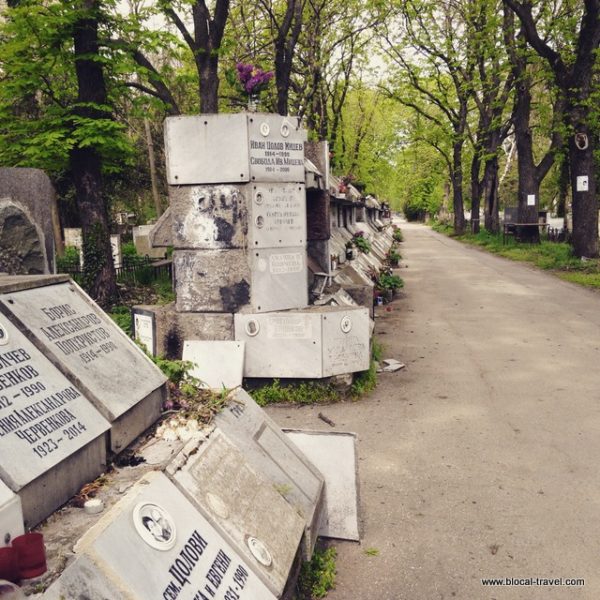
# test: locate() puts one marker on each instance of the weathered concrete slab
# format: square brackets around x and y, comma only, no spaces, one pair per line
[217,364]
[143,244]
[11,515]
[31,191]
[209,217]
[268,450]
[334,454]
[51,437]
[161,234]
[211,280]
[243,505]
[155,544]
[228,280]
[314,343]
[230,148]
[94,354]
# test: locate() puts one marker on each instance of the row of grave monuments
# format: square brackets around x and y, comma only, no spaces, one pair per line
[259,230]
[75,390]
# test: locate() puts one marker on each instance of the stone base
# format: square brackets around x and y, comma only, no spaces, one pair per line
[312,343]
[43,495]
[172,329]
[136,420]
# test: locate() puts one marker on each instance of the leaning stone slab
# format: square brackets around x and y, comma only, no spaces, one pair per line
[93,353]
[268,450]
[155,544]
[51,437]
[244,506]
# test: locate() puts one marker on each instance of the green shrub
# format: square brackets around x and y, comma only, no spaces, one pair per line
[121,315]
[389,282]
[310,392]
[317,576]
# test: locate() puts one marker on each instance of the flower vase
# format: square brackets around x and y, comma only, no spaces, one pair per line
[253,102]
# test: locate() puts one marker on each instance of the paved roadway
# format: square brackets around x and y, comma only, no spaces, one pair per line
[482,458]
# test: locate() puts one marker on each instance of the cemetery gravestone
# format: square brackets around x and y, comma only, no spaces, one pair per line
[154,544]
[268,450]
[216,364]
[244,506]
[51,437]
[31,224]
[88,347]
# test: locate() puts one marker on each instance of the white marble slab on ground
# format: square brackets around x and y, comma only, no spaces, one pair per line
[334,454]
[217,364]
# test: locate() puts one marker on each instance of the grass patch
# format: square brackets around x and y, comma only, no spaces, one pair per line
[121,315]
[307,392]
[587,279]
[317,576]
[371,552]
[366,381]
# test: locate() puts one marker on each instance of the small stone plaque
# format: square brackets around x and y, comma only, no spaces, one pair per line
[155,544]
[217,364]
[270,453]
[92,352]
[144,328]
[277,215]
[346,341]
[231,494]
[43,417]
[279,279]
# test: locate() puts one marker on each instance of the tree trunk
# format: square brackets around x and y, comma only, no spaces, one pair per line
[585,204]
[208,71]
[86,163]
[152,167]
[475,191]
[490,195]
[457,183]
[563,188]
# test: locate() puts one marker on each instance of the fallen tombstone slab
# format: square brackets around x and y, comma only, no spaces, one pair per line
[242,505]
[269,451]
[51,437]
[155,544]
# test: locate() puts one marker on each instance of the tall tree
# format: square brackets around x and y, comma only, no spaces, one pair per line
[85,159]
[204,43]
[572,65]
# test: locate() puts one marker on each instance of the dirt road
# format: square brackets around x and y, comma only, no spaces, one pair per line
[480,460]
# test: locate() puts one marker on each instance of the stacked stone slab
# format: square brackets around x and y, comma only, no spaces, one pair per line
[239,218]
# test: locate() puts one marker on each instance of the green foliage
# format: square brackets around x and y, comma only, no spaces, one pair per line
[310,392]
[317,576]
[397,235]
[366,381]
[128,249]
[389,282]
[121,315]
[371,552]
[362,244]
[69,261]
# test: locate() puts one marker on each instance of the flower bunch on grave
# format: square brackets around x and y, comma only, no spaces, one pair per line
[252,79]
[360,241]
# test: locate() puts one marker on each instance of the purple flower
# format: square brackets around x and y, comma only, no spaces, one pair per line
[253,79]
